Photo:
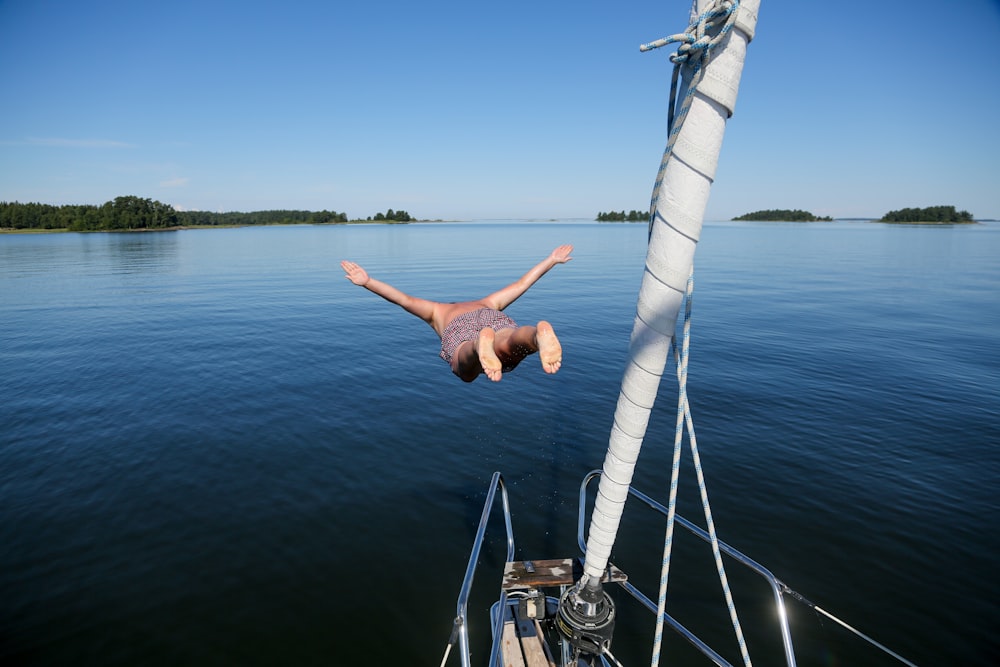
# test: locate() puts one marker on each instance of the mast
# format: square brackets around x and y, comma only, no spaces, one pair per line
[678,209]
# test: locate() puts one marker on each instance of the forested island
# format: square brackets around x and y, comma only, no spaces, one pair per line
[136,213]
[932,215]
[782,215]
[622,216]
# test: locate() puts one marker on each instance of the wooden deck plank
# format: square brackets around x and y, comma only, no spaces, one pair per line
[536,652]
[510,648]
[544,656]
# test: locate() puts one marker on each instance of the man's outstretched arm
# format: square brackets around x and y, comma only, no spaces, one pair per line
[420,307]
[508,295]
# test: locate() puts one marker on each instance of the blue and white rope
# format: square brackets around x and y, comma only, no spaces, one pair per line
[668,539]
[684,418]
[695,49]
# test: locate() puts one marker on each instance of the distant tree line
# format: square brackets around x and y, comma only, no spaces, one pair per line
[937,214]
[391,216]
[276,217]
[122,213]
[125,213]
[782,215]
[622,216]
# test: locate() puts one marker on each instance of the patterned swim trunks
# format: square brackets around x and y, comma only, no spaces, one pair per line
[467,327]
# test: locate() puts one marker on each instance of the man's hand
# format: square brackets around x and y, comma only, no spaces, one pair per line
[561,254]
[355,273]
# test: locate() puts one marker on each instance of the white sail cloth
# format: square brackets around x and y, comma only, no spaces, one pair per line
[680,210]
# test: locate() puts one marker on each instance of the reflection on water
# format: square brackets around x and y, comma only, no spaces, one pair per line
[152,252]
[82,255]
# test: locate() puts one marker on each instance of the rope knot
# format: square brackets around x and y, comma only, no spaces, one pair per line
[698,40]
[707,31]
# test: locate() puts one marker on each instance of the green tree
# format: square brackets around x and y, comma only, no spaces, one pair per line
[938,214]
[622,216]
[782,215]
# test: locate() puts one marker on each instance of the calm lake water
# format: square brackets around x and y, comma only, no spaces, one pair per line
[216,450]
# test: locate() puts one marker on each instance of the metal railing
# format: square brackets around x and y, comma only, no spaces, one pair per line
[460,630]
[777,587]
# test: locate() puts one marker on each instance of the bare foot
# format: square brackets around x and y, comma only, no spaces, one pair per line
[549,349]
[487,356]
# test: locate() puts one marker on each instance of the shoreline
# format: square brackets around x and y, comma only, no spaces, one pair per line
[178,228]
[142,230]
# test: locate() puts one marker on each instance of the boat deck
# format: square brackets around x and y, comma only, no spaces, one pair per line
[523,642]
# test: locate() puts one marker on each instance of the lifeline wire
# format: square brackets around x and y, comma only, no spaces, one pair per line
[819,610]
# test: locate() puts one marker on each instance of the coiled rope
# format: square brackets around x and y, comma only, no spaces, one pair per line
[696,45]
[695,49]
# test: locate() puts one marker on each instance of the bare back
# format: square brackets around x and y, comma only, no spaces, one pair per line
[443,313]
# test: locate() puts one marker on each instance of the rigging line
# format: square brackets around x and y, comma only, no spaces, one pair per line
[451,641]
[668,538]
[607,652]
[684,417]
[447,652]
[695,49]
[815,607]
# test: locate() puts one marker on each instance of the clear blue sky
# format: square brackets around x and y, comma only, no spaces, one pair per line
[467,110]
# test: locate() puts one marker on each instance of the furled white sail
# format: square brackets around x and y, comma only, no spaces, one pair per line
[677,220]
